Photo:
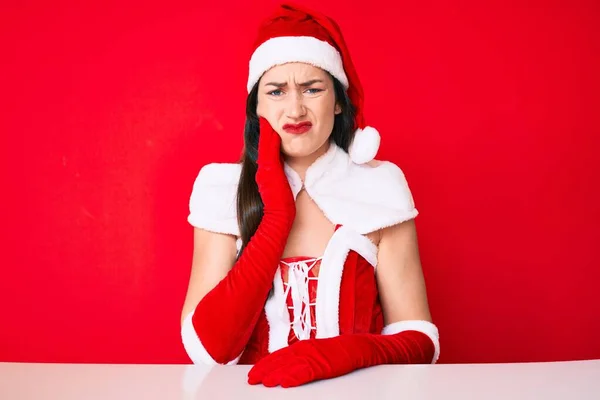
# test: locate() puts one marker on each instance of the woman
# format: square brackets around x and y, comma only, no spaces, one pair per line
[306,261]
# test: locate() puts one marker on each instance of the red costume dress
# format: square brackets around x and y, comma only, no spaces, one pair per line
[339,288]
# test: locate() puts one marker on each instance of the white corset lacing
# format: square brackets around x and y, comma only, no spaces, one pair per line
[297,284]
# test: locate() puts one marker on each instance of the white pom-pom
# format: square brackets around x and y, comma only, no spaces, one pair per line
[365,145]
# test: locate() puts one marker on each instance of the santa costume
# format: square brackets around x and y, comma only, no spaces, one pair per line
[302,319]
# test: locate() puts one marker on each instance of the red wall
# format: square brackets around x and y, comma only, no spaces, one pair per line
[108,113]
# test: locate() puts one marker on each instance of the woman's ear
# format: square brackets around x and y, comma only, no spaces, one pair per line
[259,112]
[338,109]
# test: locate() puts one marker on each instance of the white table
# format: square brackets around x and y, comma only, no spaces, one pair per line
[560,380]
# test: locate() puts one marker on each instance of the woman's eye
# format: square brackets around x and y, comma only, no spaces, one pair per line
[276,92]
[314,90]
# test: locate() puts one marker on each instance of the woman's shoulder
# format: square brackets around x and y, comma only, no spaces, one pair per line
[374,163]
[380,175]
[366,197]
[219,174]
[212,203]
[384,165]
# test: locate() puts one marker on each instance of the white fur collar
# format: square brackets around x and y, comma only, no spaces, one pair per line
[362,197]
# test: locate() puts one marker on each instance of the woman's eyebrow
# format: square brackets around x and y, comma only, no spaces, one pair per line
[312,81]
[303,84]
[276,84]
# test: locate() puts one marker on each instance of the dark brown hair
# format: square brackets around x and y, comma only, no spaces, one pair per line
[249,202]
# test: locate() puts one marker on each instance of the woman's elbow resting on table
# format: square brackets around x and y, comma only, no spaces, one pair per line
[213,257]
[194,347]
[401,284]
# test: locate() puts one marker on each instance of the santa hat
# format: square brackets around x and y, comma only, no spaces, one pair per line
[296,34]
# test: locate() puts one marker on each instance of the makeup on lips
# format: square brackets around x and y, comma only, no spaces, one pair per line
[298,129]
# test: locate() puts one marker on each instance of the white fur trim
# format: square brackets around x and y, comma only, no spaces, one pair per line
[360,197]
[365,145]
[213,199]
[285,49]
[294,179]
[330,277]
[278,315]
[194,347]
[425,327]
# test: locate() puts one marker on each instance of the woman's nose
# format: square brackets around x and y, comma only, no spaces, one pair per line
[295,106]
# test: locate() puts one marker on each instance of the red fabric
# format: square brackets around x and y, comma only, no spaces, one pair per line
[314,359]
[288,20]
[258,345]
[226,317]
[359,312]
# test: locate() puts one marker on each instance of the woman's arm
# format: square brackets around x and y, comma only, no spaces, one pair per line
[220,325]
[400,280]
[401,284]
[214,255]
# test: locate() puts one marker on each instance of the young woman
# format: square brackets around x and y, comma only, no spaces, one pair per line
[306,261]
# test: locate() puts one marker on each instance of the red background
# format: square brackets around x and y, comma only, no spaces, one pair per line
[109,111]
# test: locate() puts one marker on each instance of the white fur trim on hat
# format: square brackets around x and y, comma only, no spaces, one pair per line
[286,49]
[365,145]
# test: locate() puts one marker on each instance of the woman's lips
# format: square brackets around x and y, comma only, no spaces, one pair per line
[297,129]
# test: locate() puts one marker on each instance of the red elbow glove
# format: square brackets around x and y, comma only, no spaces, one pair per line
[224,319]
[310,360]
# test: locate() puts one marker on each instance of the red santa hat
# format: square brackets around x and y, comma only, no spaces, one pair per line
[296,34]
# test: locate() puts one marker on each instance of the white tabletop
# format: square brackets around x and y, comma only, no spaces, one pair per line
[559,380]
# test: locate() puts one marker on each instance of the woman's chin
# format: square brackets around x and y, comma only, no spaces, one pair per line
[298,150]
[304,146]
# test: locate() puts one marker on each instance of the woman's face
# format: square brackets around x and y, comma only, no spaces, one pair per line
[299,102]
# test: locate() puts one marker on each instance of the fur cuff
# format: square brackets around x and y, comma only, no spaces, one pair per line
[193,346]
[425,327]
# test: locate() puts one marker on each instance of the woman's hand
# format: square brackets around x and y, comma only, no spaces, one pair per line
[272,182]
[302,362]
[314,359]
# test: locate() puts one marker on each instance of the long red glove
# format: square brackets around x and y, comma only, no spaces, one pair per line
[313,359]
[225,318]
